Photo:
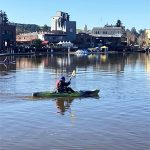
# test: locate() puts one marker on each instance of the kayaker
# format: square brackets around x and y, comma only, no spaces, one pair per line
[62,86]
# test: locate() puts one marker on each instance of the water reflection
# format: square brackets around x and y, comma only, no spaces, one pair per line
[119,121]
[63,104]
[66,63]
[7,66]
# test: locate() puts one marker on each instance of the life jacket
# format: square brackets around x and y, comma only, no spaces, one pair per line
[57,84]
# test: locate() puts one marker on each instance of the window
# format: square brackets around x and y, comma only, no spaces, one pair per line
[104,32]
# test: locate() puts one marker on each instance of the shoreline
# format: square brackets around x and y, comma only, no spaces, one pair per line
[71,52]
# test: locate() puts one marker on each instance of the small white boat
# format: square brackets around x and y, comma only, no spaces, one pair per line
[82,52]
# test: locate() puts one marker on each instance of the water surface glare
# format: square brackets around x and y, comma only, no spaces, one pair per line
[117,120]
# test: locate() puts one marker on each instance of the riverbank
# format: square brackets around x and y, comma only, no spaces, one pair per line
[64,51]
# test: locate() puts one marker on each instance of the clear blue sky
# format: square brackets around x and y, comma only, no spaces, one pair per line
[94,13]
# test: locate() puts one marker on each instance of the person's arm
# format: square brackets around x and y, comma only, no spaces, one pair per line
[67,83]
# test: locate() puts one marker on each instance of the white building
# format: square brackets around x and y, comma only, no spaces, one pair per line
[58,22]
[61,22]
[52,37]
[108,31]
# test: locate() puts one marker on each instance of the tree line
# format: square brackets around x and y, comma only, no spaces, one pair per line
[136,37]
[3,17]
[22,28]
[28,28]
[133,36]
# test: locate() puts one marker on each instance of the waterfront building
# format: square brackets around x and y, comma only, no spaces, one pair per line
[62,29]
[7,32]
[147,39]
[53,36]
[108,31]
[110,35]
[46,37]
[26,38]
[84,40]
[61,22]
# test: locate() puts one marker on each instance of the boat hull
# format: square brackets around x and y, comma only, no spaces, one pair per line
[92,93]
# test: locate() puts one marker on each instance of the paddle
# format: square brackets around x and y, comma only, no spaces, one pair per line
[73,74]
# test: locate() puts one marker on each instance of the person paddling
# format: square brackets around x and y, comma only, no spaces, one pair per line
[62,86]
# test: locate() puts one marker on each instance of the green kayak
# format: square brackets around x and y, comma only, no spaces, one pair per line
[92,93]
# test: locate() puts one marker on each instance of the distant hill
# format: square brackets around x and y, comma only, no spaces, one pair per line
[27,28]
[82,31]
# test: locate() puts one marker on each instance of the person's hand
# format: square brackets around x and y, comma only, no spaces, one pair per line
[69,81]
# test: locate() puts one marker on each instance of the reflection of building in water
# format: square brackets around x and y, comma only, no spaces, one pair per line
[64,64]
[103,57]
[7,66]
[23,63]
[147,63]
[111,62]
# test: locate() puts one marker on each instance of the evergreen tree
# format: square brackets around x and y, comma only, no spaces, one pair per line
[45,28]
[119,23]
[133,31]
[37,43]
[5,19]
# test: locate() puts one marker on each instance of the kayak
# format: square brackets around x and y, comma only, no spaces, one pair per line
[91,93]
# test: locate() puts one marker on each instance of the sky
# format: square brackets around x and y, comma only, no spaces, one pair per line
[93,13]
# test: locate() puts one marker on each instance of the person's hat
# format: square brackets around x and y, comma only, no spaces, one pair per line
[63,78]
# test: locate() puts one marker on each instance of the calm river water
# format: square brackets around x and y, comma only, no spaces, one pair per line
[118,120]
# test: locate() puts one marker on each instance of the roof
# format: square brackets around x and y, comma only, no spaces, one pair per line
[104,47]
[45,42]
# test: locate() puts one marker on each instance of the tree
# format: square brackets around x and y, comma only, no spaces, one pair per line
[131,37]
[119,23]
[5,19]
[146,39]
[26,28]
[37,43]
[3,16]
[142,37]
[134,32]
[45,28]
[141,31]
